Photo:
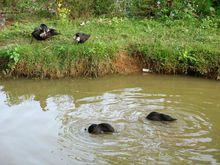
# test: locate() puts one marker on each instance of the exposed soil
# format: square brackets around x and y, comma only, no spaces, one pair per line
[7,23]
[125,64]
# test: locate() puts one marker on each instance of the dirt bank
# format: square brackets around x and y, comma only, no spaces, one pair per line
[122,63]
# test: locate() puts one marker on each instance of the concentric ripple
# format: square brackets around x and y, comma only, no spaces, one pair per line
[137,140]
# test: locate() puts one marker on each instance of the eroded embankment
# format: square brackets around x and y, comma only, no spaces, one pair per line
[122,63]
[199,64]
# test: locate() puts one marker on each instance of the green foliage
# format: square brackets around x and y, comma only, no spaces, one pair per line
[79,8]
[203,7]
[13,56]
[130,8]
[101,7]
[171,46]
[208,23]
[140,7]
[178,9]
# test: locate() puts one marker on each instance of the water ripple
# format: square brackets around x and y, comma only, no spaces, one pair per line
[136,139]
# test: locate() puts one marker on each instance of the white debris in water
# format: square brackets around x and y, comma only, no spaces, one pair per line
[146,70]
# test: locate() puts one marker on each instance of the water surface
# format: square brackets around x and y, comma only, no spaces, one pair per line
[44,121]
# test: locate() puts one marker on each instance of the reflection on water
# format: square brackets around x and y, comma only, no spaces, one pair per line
[43,122]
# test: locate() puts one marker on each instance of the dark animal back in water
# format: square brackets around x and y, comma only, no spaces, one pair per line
[105,127]
[100,128]
[159,117]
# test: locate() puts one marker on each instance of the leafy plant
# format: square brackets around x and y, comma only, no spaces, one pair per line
[13,56]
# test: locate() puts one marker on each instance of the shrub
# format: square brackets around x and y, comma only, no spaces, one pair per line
[134,8]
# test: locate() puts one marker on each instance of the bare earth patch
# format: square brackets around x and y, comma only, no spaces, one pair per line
[125,64]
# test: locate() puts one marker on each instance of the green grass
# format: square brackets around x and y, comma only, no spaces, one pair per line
[170,46]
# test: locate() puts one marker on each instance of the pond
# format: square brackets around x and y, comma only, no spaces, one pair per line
[44,121]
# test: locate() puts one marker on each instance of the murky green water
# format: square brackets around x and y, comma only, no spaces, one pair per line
[43,122]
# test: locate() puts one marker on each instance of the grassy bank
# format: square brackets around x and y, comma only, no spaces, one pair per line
[117,45]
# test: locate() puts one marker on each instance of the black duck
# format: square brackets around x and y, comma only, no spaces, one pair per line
[43,32]
[81,37]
